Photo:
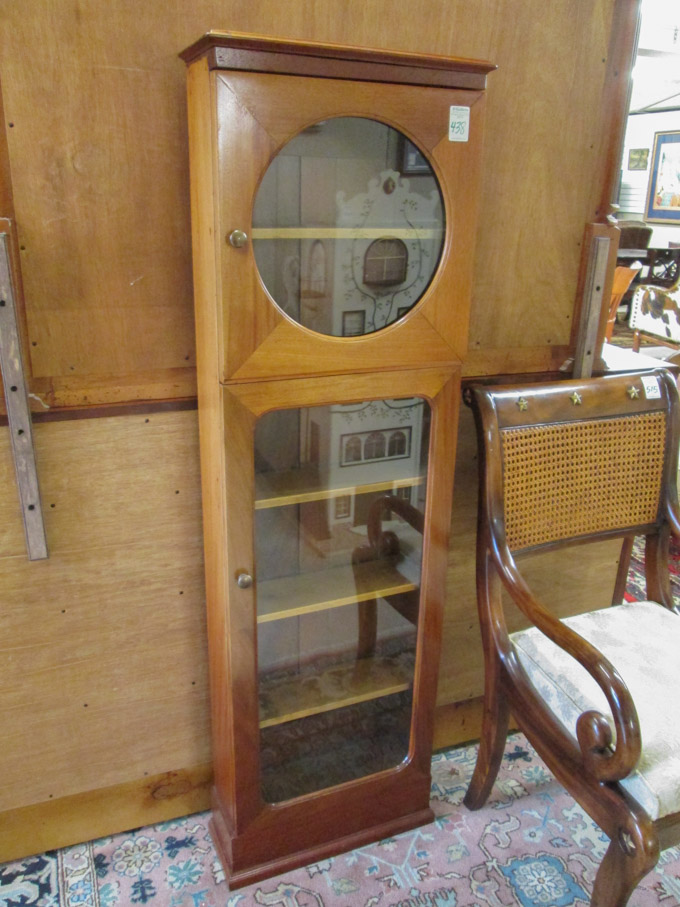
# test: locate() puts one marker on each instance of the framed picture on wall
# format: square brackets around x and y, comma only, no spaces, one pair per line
[663,194]
[411,161]
[638,158]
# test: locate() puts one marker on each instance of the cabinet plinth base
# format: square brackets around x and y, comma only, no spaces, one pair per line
[239,876]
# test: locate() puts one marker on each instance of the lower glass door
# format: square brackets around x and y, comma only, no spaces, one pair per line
[340,499]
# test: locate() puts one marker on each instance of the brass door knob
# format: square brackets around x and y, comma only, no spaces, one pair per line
[244,581]
[238,238]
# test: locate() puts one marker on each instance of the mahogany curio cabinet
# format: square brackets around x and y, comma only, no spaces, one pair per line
[334,194]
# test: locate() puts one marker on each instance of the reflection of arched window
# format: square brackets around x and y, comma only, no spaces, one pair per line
[374,446]
[385,263]
[352,449]
[397,444]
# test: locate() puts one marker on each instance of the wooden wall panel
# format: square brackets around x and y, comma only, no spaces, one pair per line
[6,204]
[102,646]
[98,152]
[540,174]
[102,206]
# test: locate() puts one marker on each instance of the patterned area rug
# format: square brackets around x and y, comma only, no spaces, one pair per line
[531,846]
[635,585]
[622,336]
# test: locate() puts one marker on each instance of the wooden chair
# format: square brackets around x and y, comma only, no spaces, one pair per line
[655,315]
[663,267]
[596,694]
[635,234]
[623,277]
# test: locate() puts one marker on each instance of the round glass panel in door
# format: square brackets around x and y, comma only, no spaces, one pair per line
[348,227]
[339,518]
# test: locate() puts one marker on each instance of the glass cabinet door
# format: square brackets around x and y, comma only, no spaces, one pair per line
[340,497]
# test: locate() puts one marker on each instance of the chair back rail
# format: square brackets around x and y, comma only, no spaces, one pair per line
[565,462]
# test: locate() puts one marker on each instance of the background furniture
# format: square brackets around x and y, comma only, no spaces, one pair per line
[623,278]
[564,464]
[660,267]
[655,315]
[635,235]
[663,266]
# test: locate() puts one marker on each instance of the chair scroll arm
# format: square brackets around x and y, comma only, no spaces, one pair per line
[601,758]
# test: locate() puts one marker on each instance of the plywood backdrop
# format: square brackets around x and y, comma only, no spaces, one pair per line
[103,691]
[95,120]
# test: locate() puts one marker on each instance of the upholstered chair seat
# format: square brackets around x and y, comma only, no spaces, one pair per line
[625,635]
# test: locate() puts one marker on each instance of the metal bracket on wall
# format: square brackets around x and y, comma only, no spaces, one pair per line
[18,412]
[592,307]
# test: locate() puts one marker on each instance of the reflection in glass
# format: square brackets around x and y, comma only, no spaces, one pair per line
[340,497]
[344,243]
[385,263]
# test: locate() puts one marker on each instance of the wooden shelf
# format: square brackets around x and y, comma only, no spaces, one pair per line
[297,486]
[338,686]
[291,596]
[345,232]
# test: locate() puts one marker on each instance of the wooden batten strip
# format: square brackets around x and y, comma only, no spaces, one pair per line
[93,814]
[113,409]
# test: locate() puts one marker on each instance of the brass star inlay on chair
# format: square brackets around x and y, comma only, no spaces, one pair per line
[576,398]
[633,392]
[523,404]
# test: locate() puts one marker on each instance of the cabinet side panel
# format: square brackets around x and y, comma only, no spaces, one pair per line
[435,556]
[211,423]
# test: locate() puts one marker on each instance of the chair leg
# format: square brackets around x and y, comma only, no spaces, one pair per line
[495,724]
[620,873]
